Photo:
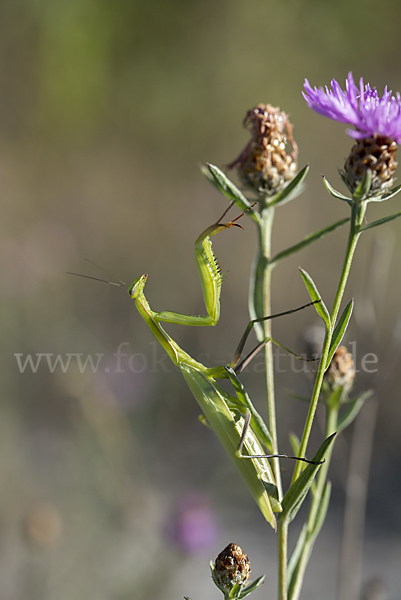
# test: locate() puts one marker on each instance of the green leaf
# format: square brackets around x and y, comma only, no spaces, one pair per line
[295,496]
[204,422]
[339,331]
[297,396]
[362,191]
[381,221]
[314,294]
[205,171]
[295,442]
[351,410]
[335,193]
[234,592]
[230,191]
[383,197]
[290,191]
[309,239]
[322,510]
[251,587]
[334,399]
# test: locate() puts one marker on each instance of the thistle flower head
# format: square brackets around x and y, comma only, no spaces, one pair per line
[361,107]
[377,122]
[269,160]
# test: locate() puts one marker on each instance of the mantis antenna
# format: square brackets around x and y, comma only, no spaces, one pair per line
[121,283]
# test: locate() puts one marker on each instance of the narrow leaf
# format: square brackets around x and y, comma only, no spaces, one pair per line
[363,188]
[309,239]
[230,191]
[295,496]
[204,422]
[290,191]
[205,171]
[314,294]
[381,221]
[295,442]
[251,587]
[351,410]
[334,192]
[334,399]
[233,595]
[339,331]
[322,510]
[297,396]
[387,196]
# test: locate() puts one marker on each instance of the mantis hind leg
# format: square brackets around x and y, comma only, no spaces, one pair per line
[240,366]
[245,430]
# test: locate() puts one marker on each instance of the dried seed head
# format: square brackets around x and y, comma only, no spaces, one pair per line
[265,165]
[376,153]
[231,567]
[341,371]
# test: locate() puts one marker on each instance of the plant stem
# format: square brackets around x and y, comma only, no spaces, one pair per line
[282,534]
[260,303]
[331,426]
[358,212]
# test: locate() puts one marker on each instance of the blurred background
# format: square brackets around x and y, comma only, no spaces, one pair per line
[111,488]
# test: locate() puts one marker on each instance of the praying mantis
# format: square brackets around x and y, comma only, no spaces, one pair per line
[234,419]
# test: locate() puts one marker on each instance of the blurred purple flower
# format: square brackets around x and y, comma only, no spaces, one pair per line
[361,107]
[192,525]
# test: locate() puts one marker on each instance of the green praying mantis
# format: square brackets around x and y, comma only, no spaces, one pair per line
[234,419]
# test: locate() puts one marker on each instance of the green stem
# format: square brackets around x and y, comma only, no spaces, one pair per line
[282,534]
[260,303]
[358,212]
[261,306]
[331,426]
[357,215]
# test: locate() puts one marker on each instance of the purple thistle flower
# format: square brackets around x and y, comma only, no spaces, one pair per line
[192,525]
[361,107]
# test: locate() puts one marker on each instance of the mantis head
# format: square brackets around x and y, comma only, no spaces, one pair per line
[136,288]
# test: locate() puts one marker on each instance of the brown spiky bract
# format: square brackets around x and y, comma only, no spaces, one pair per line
[376,153]
[231,567]
[266,165]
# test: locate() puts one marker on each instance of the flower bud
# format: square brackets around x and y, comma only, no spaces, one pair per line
[341,371]
[231,567]
[265,165]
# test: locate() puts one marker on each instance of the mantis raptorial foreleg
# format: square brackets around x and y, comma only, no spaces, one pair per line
[210,276]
